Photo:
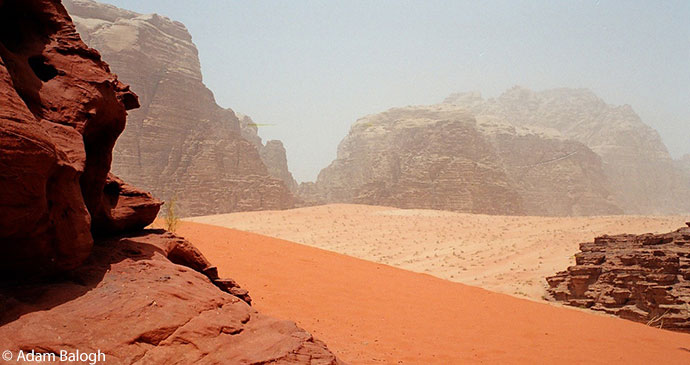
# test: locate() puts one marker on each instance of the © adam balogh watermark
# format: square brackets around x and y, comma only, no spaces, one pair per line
[77,356]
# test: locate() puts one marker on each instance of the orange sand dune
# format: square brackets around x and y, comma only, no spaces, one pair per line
[370,313]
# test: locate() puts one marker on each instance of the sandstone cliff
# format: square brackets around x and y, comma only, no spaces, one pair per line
[644,278]
[640,172]
[272,153]
[77,270]
[180,143]
[440,157]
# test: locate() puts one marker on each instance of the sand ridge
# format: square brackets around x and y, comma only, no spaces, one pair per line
[507,254]
[371,313]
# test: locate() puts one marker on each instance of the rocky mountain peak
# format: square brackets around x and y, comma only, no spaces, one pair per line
[180,144]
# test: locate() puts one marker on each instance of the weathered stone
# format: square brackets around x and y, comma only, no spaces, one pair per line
[631,281]
[131,302]
[60,113]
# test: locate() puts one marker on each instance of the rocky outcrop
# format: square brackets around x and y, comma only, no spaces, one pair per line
[134,296]
[640,172]
[180,144]
[645,278]
[419,158]
[61,112]
[133,301]
[272,153]
[441,157]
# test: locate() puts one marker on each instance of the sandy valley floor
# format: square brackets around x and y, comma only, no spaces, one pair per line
[505,254]
[370,313]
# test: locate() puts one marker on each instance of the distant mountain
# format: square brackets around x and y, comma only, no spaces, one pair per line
[180,143]
[640,173]
[442,157]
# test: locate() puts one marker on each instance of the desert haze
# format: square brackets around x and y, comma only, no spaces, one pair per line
[398,219]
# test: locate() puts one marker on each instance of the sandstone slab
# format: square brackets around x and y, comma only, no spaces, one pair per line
[645,278]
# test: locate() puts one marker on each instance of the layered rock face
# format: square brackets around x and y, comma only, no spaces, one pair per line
[180,144]
[553,175]
[62,111]
[644,278]
[135,296]
[640,172]
[441,157]
[419,158]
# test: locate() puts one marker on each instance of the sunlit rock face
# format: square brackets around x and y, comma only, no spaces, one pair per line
[180,144]
[640,172]
[442,157]
[644,278]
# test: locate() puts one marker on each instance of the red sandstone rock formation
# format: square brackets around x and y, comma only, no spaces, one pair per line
[441,157]
[133,301]
[645,278]
[180,143]
[62,111]
[145,297]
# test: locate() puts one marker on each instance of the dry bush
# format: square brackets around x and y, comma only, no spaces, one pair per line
[172,220]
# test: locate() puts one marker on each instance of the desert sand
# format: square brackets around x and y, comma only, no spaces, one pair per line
[506,254]
[371,313]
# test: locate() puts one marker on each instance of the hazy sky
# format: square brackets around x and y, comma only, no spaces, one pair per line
[312,68]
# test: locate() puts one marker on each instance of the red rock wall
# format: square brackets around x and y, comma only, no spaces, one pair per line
[61,113]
